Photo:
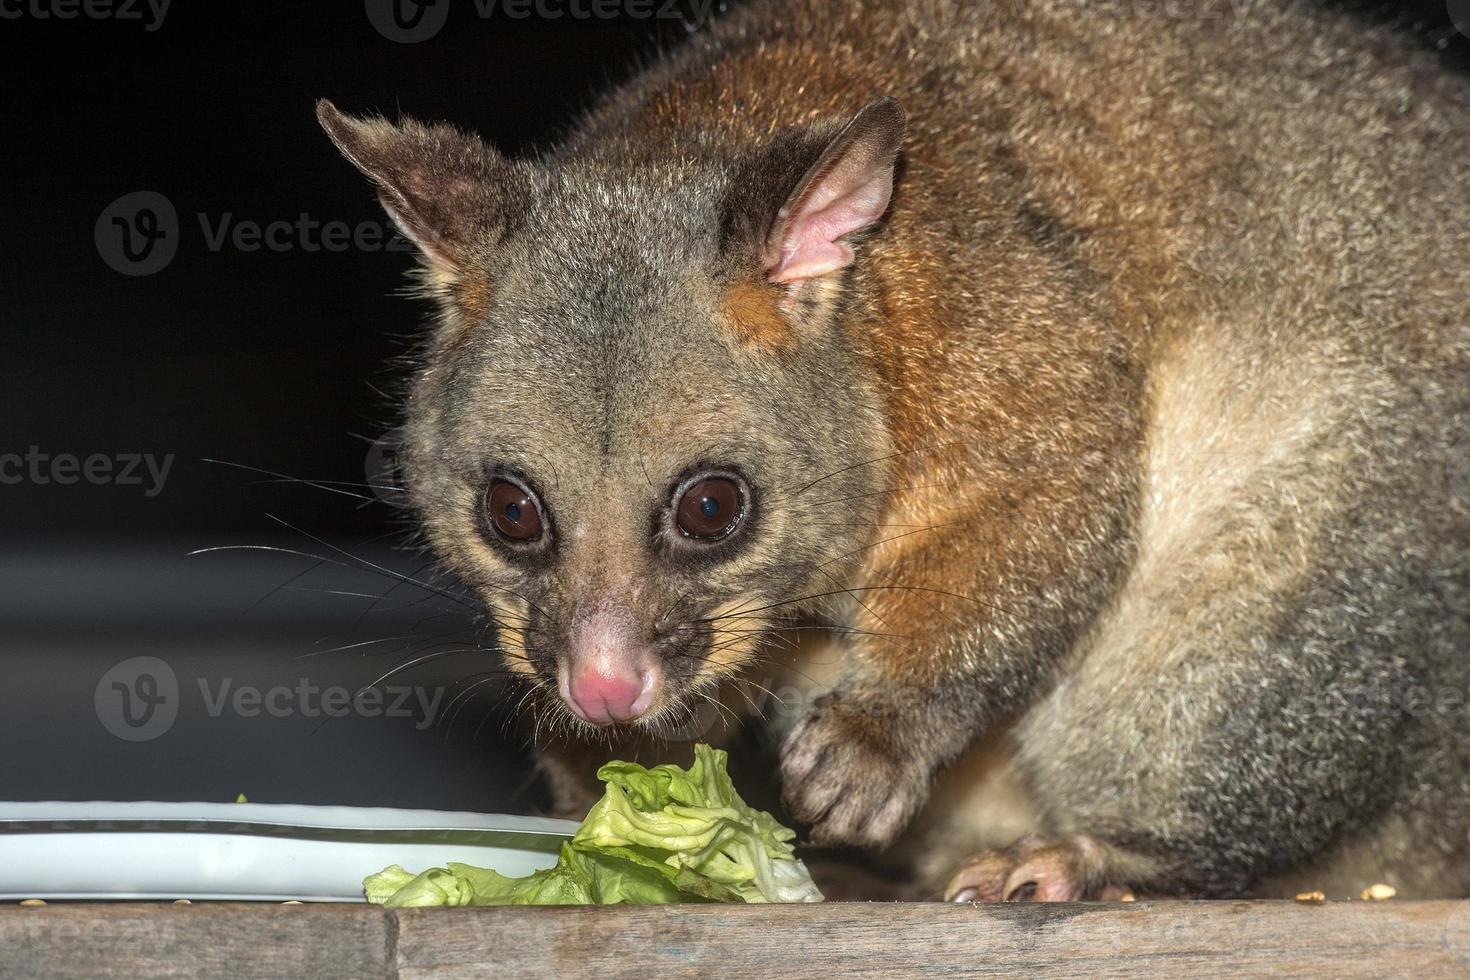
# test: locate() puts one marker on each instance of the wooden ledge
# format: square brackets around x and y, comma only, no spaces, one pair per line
[127,939]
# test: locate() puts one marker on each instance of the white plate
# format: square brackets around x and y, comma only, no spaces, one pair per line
[249,851]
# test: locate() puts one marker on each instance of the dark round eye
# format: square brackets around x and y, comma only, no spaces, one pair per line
[512,511]
[711,508]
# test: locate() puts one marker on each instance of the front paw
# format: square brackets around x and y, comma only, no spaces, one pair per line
[843,773]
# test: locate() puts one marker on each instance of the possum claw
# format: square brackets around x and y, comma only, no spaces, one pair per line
[1036,870]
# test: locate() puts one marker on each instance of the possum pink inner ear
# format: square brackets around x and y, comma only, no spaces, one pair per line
[441,186]
[845,191]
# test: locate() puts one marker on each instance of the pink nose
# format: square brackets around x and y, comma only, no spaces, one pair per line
[603,697]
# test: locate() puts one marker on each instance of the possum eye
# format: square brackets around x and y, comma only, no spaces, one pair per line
[512,511]
[710,509]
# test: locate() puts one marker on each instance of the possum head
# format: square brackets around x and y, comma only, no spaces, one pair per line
[640,431]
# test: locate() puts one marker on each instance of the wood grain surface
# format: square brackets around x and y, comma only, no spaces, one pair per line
[1180,939]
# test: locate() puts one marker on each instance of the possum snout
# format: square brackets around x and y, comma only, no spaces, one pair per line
[610,673]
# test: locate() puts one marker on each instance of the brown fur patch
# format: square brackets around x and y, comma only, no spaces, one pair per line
[753,311]
[472,294]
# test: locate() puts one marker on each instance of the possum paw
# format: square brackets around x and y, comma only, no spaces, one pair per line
[841,775]
[1037,870]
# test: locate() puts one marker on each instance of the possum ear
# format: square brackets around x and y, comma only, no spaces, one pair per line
[442,187]
[845,191]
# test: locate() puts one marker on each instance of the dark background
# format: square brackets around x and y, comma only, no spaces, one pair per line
[277,359]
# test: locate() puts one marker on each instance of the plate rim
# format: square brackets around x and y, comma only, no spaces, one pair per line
[93,816]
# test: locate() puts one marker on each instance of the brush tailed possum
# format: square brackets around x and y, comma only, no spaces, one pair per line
[1096,374]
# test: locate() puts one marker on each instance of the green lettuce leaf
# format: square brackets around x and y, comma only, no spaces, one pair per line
[659,835]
